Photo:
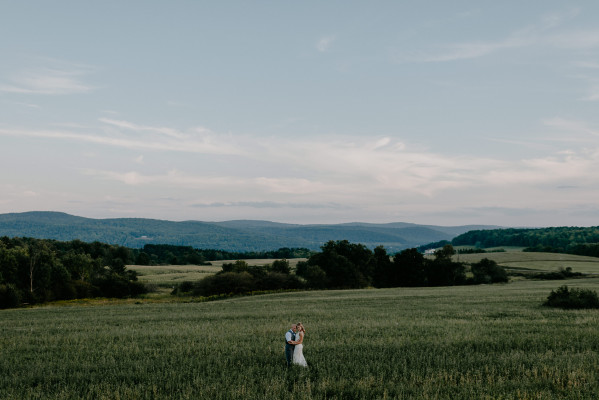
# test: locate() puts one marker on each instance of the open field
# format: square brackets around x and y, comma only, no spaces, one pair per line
[169,275]
[536,261]
[468,342]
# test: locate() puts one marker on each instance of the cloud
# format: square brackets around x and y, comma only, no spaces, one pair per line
[140,128]
[340,171]
[177,178]
[593,94]
[373,175]
[58,79]
[571,126]
[266,204]
[582,39]
[587,64]
[325,43]
[28,105]
[524,37]
[197,140]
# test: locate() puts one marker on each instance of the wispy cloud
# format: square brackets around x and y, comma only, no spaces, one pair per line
[581,39]
[325,43]
[28,105]
[380,172]
[587,64]
[337,170]
[140,128]
[266,204]
[524,37]
[593,94]
[178,178]
[197,140]
[58,79]
[570,126]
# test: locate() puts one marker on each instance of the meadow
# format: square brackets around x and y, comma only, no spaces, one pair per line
[167,276]
[466,342]
[546,262]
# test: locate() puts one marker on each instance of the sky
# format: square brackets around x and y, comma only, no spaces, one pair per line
[430,112]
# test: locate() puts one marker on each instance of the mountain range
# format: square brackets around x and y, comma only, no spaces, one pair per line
[238,235]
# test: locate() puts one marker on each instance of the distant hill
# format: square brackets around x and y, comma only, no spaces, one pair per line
[240,235]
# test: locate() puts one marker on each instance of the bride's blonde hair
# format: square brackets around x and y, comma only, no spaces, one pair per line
[301,327]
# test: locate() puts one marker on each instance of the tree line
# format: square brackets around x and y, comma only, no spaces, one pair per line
[570,240]
[165,254]
[40,270]
[345,265]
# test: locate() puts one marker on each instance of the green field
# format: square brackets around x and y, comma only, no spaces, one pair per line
[468,342]
[515,259]
[168,275]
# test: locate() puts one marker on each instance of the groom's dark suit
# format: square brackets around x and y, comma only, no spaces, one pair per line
[289,347]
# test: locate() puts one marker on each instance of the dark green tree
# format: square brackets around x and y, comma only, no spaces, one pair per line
[409,268]
[383,270]
[281,266]
[487,271]
[442,271]
[345,264]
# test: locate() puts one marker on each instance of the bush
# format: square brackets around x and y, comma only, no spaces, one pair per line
[85,289]
[114,285]
[281,266]
[277,280]
[315,277]
[226,282]
[9,296]
[487,271]
[572,298]
[182,288]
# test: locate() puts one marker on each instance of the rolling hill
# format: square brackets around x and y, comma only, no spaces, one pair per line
[239,235]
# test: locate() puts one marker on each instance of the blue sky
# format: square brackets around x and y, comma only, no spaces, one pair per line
[431,112]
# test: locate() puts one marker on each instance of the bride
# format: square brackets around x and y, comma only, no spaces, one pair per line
[298,355]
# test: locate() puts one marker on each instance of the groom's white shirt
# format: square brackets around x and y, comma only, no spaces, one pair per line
[288,336]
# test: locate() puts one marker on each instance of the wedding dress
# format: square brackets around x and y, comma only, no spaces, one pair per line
[298,356]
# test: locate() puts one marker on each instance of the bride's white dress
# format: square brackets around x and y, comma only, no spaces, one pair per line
[298,355]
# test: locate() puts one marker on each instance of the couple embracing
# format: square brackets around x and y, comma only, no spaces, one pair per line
[293,345]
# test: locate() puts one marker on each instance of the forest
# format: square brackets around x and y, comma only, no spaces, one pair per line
[40,270]
[583,241]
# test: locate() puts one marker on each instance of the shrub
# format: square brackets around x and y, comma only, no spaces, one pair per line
[183,287]
[487,271]
[572,298]
[85,289]
[315,277]
[226,282]
[277,280]
[113,285]
[281,266]
[9,296]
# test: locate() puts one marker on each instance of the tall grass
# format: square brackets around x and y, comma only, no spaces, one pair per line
[469,342]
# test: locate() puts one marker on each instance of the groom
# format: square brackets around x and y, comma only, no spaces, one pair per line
[290,343]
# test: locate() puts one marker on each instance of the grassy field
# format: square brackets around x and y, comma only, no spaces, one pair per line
[516,259]
[169,275]
[166,276]
[469,342]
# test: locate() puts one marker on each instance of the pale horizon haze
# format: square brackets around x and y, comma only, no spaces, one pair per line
[429,112]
